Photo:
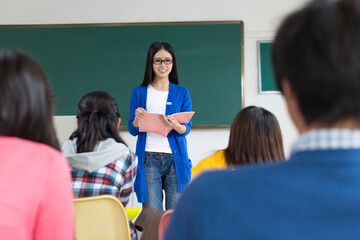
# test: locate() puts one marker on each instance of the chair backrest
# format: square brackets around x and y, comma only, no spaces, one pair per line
[164,222]
[100,217]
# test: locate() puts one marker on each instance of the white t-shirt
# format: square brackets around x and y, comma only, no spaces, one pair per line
[156,103]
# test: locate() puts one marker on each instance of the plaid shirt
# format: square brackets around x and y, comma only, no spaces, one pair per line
[327,139]
[115,179]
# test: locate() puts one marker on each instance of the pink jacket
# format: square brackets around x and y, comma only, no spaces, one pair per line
[35,189]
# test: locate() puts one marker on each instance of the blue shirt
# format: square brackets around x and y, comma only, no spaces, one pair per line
[314,195]
[178,101]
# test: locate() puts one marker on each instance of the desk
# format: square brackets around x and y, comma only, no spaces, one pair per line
[148,222]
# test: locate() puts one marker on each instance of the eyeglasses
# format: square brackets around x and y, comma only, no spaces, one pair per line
[159,61]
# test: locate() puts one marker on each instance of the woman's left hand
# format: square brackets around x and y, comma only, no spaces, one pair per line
[171,122]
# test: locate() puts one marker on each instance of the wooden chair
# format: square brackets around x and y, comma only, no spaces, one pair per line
[100,218]
[164,223]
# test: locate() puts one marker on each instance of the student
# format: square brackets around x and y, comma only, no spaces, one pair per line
[100,161]
[313,195]
[36,196]
[163,161]
[255,137]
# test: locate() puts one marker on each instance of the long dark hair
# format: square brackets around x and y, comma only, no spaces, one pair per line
[255,137]
[97,116]
[149,72]
[26,100]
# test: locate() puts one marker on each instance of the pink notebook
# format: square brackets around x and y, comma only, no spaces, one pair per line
[151,122]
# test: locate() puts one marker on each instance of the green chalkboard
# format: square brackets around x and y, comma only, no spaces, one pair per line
[267,82]
[84,58]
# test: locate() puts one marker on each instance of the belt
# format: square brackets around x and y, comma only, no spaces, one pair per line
[156,153]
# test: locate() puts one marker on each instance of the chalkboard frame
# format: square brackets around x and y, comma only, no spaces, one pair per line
[162,23]
[262,78]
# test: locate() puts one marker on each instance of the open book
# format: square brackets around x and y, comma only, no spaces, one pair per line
[151,122]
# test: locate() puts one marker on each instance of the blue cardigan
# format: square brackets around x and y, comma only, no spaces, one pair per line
[178,101]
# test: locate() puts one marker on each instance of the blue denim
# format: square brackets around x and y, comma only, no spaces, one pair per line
[160,175]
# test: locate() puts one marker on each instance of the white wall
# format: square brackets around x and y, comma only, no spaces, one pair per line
[260,17]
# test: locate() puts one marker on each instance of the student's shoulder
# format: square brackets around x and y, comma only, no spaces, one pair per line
[123,150]
[212,162]
[68,147]
[241,173]
[33,146]
[218,155]
[36,151]
[203,184]
[111,145]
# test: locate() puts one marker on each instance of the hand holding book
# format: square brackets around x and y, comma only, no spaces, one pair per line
[153,122]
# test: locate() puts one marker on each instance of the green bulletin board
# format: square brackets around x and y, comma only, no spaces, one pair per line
[267,83]
[84,58]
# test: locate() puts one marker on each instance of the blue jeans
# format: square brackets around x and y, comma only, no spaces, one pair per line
[160,174]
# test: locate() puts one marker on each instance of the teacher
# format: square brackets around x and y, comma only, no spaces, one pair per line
[163,161]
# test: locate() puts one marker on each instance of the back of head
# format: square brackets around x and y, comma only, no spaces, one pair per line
[26,103]
[317,50]
[255,137]
[97,116]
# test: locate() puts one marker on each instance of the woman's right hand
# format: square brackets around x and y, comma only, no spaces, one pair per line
[139,113]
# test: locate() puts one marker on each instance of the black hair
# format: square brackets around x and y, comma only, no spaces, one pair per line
[26,100]
[317,50]
[97,116]
[149,72]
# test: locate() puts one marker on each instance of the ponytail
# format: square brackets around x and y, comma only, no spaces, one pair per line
[97,117]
